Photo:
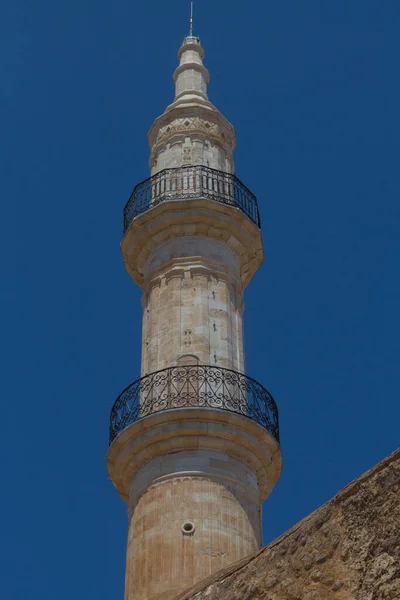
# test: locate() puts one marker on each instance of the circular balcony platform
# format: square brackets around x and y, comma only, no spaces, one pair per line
[191,182]
[194,387]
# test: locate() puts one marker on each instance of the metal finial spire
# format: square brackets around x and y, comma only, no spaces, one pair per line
[191,20]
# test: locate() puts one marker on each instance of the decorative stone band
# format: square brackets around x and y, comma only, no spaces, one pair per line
[204,130]
[187,268]
[197,387]
[201,465]
[206,126]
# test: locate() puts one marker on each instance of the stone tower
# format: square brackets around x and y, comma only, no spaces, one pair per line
[194,445]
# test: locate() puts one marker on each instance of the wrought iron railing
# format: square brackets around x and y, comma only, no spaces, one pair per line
[194,387]
[191,182]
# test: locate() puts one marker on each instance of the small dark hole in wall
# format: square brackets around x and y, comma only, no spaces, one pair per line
[188,528]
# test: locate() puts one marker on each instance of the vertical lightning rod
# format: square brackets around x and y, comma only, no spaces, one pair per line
[191,20]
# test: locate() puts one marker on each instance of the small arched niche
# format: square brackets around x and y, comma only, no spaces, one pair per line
[189,360]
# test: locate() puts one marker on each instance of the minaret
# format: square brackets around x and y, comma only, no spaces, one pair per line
[194,445]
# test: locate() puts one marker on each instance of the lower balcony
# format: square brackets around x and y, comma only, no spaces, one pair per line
[194,387]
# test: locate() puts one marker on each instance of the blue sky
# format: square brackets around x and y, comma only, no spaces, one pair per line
[312,90]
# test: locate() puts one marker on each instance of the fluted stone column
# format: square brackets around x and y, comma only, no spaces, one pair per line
[192,305]
[192,512]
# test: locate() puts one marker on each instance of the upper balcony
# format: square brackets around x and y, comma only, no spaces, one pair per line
[191,182]
[194,387]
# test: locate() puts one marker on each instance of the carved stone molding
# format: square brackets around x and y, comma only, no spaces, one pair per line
[172,220]
[235,488]
[203,127]
[182,267]
[193,429]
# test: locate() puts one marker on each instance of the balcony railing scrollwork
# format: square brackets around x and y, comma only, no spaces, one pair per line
[194,387]
[191,182]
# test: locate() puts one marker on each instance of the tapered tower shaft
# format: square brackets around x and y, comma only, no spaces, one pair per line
[194,447]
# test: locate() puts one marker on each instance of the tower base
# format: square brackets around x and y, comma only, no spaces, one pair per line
[194,480]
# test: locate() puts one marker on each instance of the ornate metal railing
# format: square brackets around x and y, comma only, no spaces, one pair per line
[194,387]
[191,182]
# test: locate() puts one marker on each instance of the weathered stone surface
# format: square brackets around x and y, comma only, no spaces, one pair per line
[349,549]
[206,466]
